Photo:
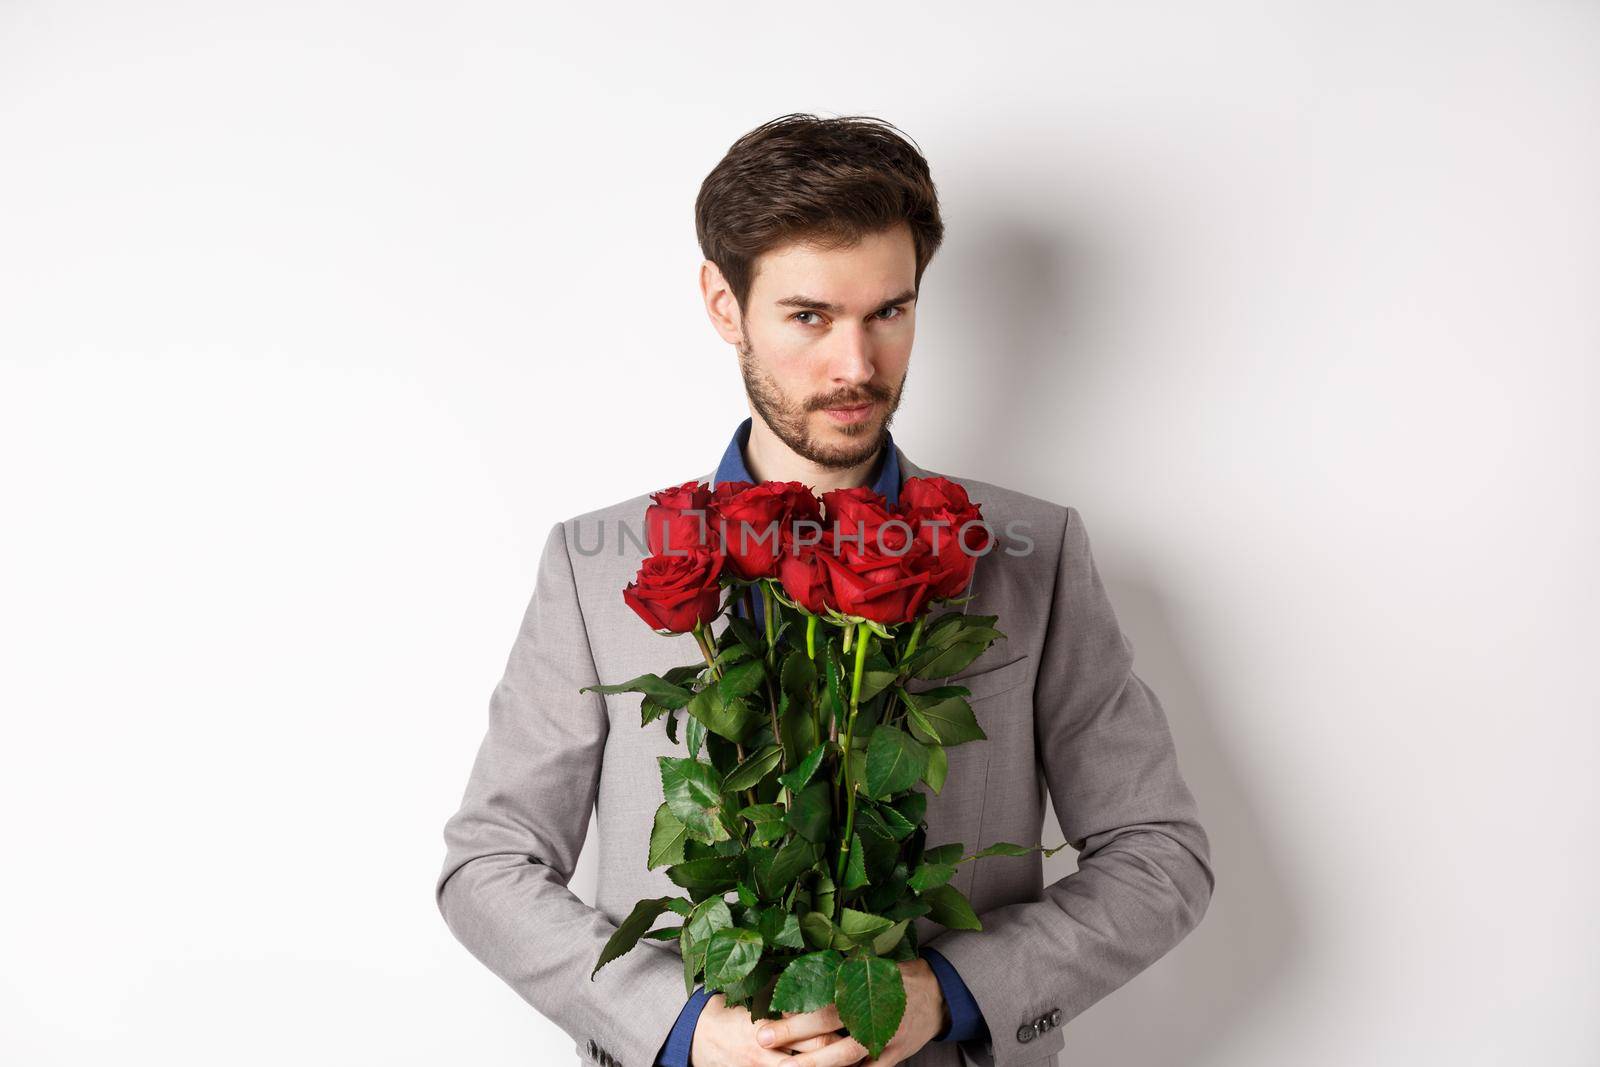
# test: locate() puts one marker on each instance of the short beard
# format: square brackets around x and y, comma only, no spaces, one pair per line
[788,422]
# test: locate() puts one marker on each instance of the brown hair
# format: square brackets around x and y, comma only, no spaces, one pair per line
[799,176]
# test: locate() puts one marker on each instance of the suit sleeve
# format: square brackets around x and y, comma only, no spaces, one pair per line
[512,846]
[1144,876]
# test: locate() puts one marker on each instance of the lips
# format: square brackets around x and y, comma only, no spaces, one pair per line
[851,414]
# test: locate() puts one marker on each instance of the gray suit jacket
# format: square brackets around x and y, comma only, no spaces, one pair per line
[1058,699]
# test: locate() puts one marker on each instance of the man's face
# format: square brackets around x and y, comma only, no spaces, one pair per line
[828,331]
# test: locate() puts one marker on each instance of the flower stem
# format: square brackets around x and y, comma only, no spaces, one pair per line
[916,635]
[772,691]
[863,635]
[706,650]
[911,647]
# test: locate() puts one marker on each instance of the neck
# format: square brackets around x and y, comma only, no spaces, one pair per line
[770,460]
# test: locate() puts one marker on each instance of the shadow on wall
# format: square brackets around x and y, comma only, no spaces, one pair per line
[1034,318]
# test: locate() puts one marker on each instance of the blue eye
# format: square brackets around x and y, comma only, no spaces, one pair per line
[797,314]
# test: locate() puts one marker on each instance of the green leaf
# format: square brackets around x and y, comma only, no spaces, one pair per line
[912,807]
[871,998]
[855,868]
[667,838]
[810,812]
[796,855]
[692,792]
[874,682]
[694,737]
[655,687]
[818,929]
[627,935]
[822,898]
[745,630]
[732,953]
[707,874]
[950,853]
[869,822]
[754,768]
[681,676]
[807,984]
[948,719]
[944,629]
[779,928]
[895,761]
[931,876]
[939,661]
[734,653]
[938,767]
[741,680]
[908,908]
[882,820]
[705,919]
[799,674]
[861,926]
[951,909]
[766,821]
[649,711]
[726,718]
[797,778]
[830,656]
[1006,848]
[885,942]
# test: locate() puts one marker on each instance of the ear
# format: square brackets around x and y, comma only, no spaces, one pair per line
[721,307]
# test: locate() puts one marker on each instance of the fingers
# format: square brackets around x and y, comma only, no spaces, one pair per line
[807,1044]
[841,1053]
[773,1033]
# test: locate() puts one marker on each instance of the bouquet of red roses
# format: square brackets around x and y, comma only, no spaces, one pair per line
[800,793]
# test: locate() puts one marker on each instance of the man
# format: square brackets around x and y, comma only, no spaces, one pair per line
[816,233]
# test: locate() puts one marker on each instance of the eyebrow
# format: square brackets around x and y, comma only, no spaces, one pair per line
[813,304]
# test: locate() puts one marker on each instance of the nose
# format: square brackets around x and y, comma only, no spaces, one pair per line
[850,362]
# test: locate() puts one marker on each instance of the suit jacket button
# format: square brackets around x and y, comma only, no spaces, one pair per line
[1055,1017]
[1026,1033]
[1044,1024]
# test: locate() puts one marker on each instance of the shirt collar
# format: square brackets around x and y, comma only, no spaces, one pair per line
[886,480]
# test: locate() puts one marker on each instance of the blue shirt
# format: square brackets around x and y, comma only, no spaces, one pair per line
[966,1021]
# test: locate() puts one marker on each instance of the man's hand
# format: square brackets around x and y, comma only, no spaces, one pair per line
[726,1037]
[926,1014]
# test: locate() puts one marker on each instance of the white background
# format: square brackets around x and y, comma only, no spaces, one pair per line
[314,317]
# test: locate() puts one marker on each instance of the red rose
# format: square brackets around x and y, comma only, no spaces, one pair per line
[680,520]
[726,491]
[755,524]
[863,525]
[806,579]
[674,592]
[950,525]
[886,589]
